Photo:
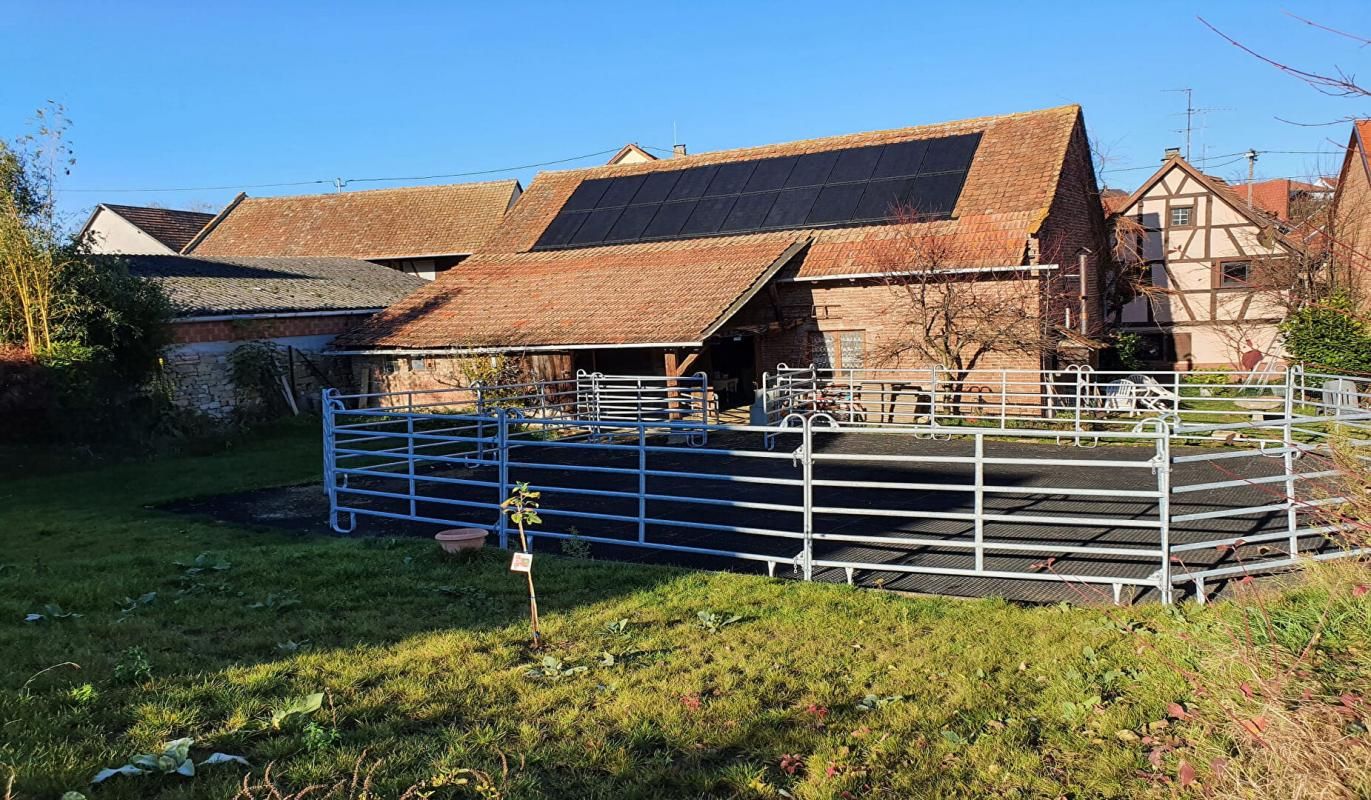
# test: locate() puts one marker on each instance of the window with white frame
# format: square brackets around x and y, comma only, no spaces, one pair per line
[837,349]
[1182,216]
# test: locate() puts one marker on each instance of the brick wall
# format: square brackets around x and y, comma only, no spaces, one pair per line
[241,330]
[873,308]
[432,378]
[1352,227]
[1075,220]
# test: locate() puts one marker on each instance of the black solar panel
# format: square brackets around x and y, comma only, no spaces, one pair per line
[836,187]
[709,214]
[668,221]
[620,191]
[791,208]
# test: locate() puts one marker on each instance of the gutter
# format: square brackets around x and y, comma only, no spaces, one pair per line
[1032,268]
[276,315]
[486,351]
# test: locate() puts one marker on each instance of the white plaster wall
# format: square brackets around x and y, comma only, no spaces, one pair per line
[1216,338]
[111,234]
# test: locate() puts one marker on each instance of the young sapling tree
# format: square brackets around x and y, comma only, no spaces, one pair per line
[522,508]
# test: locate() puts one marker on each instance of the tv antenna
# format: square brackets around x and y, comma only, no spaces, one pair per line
[1191,112]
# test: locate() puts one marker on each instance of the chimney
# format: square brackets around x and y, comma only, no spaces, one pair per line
[677,150]
[1171,152]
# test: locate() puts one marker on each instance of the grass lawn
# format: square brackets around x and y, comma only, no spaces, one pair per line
[814,691]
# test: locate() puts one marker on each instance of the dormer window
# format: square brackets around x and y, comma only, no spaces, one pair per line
[1182,216]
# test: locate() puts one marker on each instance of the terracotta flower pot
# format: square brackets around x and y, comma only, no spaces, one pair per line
[457,539]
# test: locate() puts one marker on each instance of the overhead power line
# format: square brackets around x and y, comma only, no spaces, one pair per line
[1240,156]
[346,181]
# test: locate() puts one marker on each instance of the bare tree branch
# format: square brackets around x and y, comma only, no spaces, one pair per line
[1341,84]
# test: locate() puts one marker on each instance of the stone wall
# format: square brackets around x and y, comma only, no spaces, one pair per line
[200,374]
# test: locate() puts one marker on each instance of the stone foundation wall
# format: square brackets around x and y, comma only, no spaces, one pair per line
[200,373]
[201,377]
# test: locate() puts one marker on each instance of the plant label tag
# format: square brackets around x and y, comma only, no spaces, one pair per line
[523,562]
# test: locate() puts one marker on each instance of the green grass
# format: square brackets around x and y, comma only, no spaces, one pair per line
[423,659]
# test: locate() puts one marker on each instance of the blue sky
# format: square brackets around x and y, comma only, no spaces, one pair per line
[175,94]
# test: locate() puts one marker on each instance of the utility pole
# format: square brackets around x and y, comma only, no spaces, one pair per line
[1251,173]
[339,183]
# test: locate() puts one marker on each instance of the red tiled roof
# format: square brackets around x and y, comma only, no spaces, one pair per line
[1273,196]
[1113,200]
[408,222]
[1006,196]
[666,291]
[169,226]
[658,293]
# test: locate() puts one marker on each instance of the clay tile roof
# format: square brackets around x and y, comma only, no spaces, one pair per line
[410,222]
[225,285]
[657,293]
[1273,196]
[1113,200]
[169,226]
[667,291]
[1008,190]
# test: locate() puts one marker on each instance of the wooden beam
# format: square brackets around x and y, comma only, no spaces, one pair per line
[676,364]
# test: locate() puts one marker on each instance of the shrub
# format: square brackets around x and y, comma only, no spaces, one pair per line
[1329,337]
[24,390]
[257,369]
[1127,350]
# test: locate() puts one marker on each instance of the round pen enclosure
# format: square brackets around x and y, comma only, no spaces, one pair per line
[1036,485]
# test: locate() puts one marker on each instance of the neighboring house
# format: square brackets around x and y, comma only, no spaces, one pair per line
[1210,268]
[631,153]
[140,230]
[1286,199]
[420,230]
[1351,248]
[732,261]
[298,304]
[1113,200]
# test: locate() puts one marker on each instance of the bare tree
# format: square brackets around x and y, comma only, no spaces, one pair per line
[951,315]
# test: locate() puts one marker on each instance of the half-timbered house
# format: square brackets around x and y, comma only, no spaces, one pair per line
[1208,269]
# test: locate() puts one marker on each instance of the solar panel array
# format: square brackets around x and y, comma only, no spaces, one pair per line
[860,185]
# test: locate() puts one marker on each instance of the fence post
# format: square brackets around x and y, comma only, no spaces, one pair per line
[933,399]
[502,444]
[642,483]
[1163,469]
[409,457]
[478,392]
[1004,398]
[326,418]
[851,395]
[1080,391]
[1288,460]
[807,464]
[980,502]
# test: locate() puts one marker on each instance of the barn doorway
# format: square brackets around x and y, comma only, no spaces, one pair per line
[732,369]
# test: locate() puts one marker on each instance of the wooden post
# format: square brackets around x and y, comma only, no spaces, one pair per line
[676,365]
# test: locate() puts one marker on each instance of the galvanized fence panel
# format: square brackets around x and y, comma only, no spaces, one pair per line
[936,483]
